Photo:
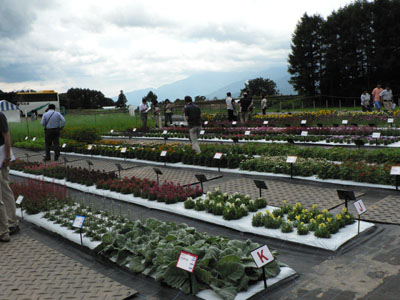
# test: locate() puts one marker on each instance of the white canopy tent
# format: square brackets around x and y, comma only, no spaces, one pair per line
[10,110]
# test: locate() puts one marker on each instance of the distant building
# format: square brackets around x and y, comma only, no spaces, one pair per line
[109,107]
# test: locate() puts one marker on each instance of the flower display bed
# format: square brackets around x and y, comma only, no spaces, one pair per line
[243,225]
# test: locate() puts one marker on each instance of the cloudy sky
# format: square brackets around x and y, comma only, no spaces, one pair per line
[134,44]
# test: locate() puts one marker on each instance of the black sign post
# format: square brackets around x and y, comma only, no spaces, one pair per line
[346,196]
[119,167]
[158,172]
[261,185]
[202,178]
[89,164]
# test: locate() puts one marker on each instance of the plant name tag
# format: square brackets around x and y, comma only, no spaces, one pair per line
[78,222]
[376,135]
[123,150]
[163,153]
[262,256]
[134,129]
[202,132]
[218,155]
[165,132]
[360,207]
[247,132]
[112,130]
[34,139]
[234,122]
[26,138]
[265,122]
[205,122]
[64,145]
[187,261]
[390,120]
[291,159]
[395,170]
[345,122]
[19,199]
[90,147]
[303,122]
[181,123]
[304,133]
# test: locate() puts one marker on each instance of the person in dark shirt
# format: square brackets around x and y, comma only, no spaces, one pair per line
[193,117]
[246,105]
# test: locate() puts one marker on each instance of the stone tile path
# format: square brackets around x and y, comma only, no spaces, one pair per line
[31,270]
[386,210]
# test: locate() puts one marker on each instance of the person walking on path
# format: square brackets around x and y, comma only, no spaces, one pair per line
[230,105]
[263,104]
[193,117]
[167,112]
[365,98]
[376,97]
[246,105]
[144,109]
[8,218]
[53,122]
[386,97]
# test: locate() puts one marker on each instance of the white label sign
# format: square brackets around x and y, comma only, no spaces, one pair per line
[163,153]
[247,132]
[360,207]
[112,130]
[218,155]
[187,261]
[90,147]
[134,129]
[304,133]
[205,122]
[262,256]
[376,135]
[19,199]
[390,120]
[165,132]
[78,222]
[181,123]
[64,145]
[26,138]
[395,170]
[291,159]
[202,132]
[265,122]
[34,139]
[234,123]
[303,122]
[123,150]
[345,122]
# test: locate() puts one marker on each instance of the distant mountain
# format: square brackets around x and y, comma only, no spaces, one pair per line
[212,84]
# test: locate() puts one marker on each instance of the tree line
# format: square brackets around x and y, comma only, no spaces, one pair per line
[351,50]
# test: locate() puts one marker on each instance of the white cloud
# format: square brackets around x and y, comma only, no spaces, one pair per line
[128,45]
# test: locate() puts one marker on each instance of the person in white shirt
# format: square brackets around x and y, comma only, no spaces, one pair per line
[230,105]
[365,101]
[143,108]
[263,104]
[386,97]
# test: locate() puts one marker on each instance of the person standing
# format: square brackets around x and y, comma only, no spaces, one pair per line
[230,105]
[157,114]
[386,97]
[8,218]
[193,117]
[246,105]
[144,109]
[263,104]
[375,94]
[365,98]
[167,112]
[53,122]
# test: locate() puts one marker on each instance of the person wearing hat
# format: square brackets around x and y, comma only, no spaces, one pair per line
[53,122]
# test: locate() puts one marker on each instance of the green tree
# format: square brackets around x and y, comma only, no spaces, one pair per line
[150,97]
[84,98]
[306,59]
[121,102]
[259,86]
[200,99]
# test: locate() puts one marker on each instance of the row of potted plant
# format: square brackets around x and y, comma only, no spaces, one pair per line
[288,217]
[231,207]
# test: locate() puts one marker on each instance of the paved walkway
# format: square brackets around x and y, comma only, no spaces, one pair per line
[31,270]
